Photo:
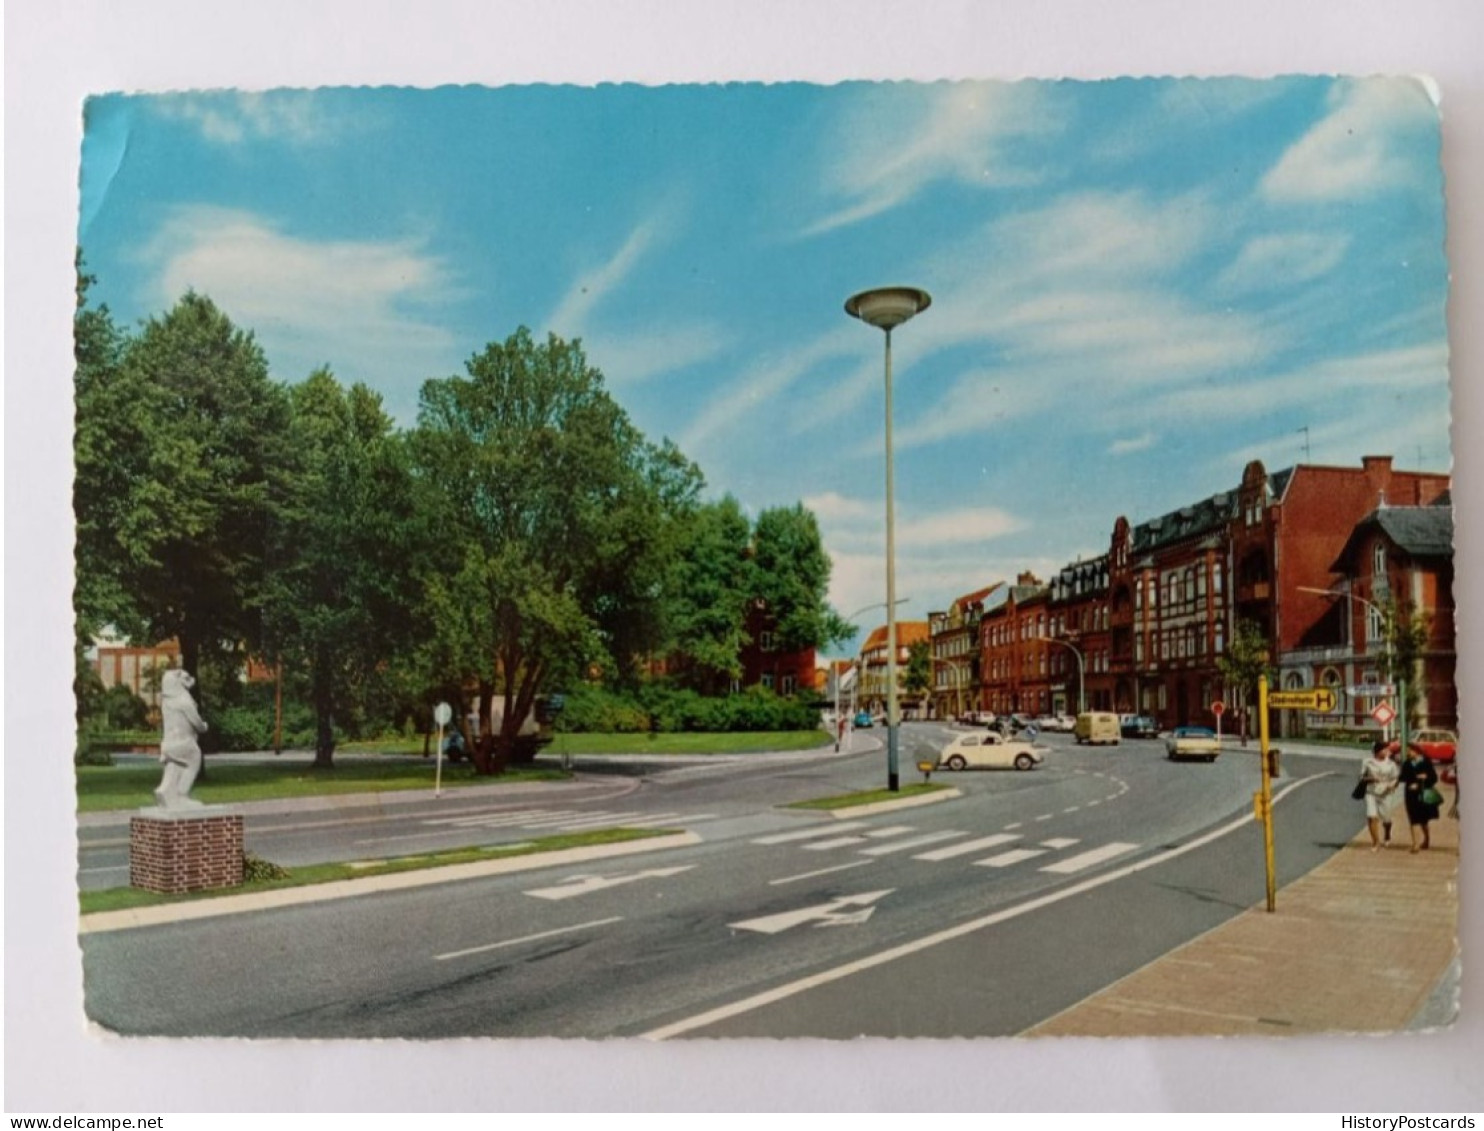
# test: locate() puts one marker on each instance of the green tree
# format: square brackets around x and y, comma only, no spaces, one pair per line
[340,595]
[918,677]
[181,443]
[712,580]
[1404,635]
[792,575]
[558,514]
[1246,659]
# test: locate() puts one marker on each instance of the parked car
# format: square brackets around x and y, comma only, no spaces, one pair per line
[862,720]
[989,751]
[1061,724]
[1097,728]
[1138,726]
[1198,743]
[977,718]
[1438,745]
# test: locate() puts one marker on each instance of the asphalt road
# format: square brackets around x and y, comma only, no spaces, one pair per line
[980,915]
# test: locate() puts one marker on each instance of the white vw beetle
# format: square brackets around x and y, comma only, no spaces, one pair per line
[989,751]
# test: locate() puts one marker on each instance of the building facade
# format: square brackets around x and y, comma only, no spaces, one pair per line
[873,656]
[955,649]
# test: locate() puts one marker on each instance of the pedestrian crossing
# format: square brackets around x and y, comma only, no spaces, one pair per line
[1018,847]
[567,820]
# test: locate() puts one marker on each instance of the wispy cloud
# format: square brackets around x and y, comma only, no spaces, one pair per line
[1131,445]
[230,118]
[631,359]
[898,140]
[1357,149]
[1282,261]
[366,308]
[571,315]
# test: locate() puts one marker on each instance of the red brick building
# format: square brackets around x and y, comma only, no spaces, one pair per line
[767,664]
[1080,631]
[1014,660]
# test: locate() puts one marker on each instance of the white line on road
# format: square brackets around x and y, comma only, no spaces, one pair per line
[1088,859]
[967,847]
[1073,809]
[527,938]
[1014,856]
[838,842]
[890,830]
[1016,825]
[819,872]
[1059,842]
[805,834]
[780,993]
[1045,816]
[915,842]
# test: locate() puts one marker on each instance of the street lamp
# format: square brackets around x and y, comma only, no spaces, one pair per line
[887,308]
[1081,672]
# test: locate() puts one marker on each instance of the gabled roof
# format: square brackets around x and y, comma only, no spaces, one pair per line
[908,632]
[1422,532]
[1208,515]
[976,597]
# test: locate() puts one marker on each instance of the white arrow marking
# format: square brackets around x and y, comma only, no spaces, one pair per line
[826,913]
[584,885]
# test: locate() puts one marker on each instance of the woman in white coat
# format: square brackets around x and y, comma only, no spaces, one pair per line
[1381,776]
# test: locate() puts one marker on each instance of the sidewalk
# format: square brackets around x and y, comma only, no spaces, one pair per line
[1366,942]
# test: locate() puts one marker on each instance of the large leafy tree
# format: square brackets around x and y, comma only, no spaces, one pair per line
[792,576]
[340,593]
[558,517]
[176,452]
[711,583]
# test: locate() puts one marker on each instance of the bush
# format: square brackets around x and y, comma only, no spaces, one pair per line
[674,710]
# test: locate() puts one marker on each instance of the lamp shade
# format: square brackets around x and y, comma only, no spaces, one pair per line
[887,307]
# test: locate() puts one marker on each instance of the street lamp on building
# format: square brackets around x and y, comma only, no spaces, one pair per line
[886,308]
[1081,672]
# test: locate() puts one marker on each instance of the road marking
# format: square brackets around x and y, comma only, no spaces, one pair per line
[973,926]
[890,830]
[838,842]
[821,914]
[1073,809]
[1090,804]
[1014,856]
[805,834]
[586,885]
[1045,816]
[819,872]
[527,938]
[915,842]
[1088,859]
[1016,825]
[500,817]
[1059,842]
[967,846]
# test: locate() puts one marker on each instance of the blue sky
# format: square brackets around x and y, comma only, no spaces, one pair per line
[1138,285]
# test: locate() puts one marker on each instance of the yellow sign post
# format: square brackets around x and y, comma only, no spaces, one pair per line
[1324,700]
[1264,799]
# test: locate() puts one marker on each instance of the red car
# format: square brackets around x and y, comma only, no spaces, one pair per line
[1438,745]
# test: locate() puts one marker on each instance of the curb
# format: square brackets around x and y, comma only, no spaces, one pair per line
[887,806]
[345,889]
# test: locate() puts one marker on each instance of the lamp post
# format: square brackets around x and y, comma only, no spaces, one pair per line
[887,308]
[1081,672]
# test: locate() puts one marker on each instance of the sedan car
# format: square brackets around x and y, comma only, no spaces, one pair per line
[1438,745]
[1199,743]
[989,751]
[862,719]
[1138,726]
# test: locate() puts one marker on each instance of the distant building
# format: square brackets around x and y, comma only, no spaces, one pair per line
[766,663]
[1014,660]
[873,662]
[954,633]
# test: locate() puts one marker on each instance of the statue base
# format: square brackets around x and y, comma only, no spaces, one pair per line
[191,849]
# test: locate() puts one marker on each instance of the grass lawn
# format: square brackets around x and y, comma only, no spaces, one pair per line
[724,743]
[118,899]
[131,786]
[868,797]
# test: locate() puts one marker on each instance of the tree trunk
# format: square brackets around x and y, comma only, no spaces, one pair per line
[324,723]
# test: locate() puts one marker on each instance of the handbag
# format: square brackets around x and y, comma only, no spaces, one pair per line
[1359,791]
[1431,796]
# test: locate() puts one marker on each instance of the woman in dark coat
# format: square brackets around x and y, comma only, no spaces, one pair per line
[1417,778]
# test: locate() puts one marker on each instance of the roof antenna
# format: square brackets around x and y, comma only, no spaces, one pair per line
[1305,431]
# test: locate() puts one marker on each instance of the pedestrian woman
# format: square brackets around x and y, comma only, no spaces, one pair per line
[1419,779]
[1380,775]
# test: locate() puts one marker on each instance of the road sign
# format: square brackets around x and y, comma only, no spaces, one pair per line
[1374,691]
[1218,708]
[1383,714]
[442,714]
[1321,699]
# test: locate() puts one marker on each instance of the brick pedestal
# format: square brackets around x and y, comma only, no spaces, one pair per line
[174,851]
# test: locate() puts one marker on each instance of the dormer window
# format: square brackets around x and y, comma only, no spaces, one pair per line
[1378,560]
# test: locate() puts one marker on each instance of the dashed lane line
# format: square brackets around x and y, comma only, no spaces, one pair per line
[819,872]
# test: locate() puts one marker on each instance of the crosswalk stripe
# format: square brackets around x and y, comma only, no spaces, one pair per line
[890,830]
[838,842]
[500,818]
[1059,842]
[805,834]
[1088,859]
[915,842]
[589,820]
[967,847]
[1014,856]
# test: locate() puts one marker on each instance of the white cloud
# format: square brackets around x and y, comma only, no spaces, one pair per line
[1132,444]
[1282,261]
[349,304]
[232,117]
[1355,150]
[897,140]
[630,359]
[571,314]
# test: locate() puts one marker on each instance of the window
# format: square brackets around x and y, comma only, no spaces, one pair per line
[1373,627]
[1220,638]
[790,684]
[1378,559]
[768,680]
[1216,578]
[765,641]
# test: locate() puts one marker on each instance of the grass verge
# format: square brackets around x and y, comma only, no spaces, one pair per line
[869,797]
[132,786]
[738,742]
[119,899]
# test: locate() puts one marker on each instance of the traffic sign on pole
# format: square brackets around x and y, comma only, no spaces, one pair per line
[1321,699]
[1383,714]
[1218,708]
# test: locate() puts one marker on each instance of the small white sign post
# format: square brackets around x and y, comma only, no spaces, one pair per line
[1218,709]
[441,715]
